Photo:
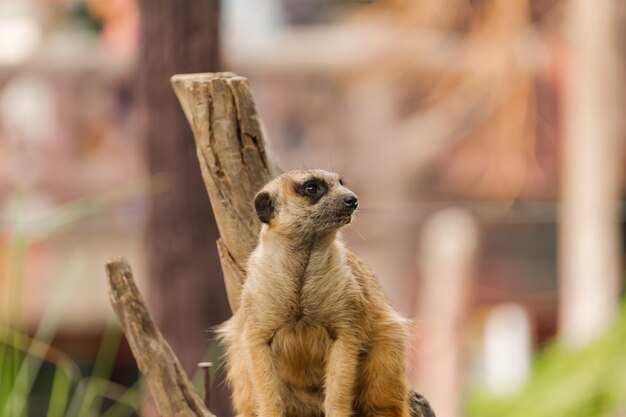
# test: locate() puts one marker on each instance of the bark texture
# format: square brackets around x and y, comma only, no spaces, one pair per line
[234,160]
[173,393]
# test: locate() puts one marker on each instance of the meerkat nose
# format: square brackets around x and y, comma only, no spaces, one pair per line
[351,201]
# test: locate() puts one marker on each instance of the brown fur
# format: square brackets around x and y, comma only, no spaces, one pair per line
[314,335]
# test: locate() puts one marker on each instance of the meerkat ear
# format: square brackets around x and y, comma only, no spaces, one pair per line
[264,206]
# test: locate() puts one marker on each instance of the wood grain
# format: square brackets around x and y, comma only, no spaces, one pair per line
[171,389]
[234,160]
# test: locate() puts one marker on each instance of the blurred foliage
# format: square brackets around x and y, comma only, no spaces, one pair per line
[588,382]
[36,379]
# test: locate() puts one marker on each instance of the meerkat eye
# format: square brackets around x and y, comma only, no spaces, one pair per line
[311,188]
[341,181]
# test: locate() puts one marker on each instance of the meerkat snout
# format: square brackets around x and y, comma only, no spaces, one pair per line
[351,201]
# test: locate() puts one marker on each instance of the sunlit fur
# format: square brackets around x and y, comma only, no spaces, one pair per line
[314,335]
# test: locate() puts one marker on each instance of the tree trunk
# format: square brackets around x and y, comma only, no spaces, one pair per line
[186,287]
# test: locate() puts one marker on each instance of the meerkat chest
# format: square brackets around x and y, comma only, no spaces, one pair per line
[286,287]
[313,297]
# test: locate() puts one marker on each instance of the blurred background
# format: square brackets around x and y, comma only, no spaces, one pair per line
[484,138]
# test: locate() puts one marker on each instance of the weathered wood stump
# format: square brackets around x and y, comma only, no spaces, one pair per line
[234,160]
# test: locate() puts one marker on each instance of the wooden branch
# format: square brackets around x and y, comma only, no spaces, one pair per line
[171,389]
[234,161]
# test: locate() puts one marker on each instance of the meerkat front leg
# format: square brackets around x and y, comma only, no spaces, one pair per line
[341,368]
[263,375]
[383,389]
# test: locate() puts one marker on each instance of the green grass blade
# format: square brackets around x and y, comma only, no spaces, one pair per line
[91,400]
[59,396]
[27,373]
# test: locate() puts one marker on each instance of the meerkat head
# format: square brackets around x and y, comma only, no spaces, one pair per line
[305,202]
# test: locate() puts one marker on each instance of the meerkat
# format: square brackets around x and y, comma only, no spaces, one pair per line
[314,335]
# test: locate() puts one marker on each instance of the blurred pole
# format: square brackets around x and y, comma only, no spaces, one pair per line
[447,254]
[588,233]
[186,291]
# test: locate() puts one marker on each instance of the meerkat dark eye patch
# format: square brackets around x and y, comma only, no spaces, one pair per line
[313,189]
[264,206]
